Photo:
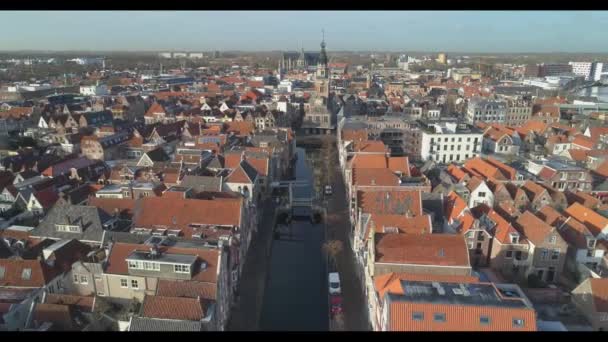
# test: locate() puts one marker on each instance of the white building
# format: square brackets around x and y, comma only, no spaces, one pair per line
[94,90]
[489,111]
[448,141]
[598,70]
[582,69]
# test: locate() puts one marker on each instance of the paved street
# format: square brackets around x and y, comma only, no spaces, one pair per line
[338,226]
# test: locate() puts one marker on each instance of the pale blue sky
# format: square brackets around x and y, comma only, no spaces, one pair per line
[470,31]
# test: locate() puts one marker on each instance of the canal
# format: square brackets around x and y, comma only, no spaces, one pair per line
[295,297]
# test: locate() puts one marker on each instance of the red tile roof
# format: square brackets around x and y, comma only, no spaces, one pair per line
[550,215]
[594,221]
[425,249]
[259,164]
[399,164]
[390,202]
[155,109]
[456,172]
[180,213]
[369,161]
[188,289]
[374,177]
[407,225]
[533,228]
[370,146]
[582,141]
[458,317]
[599,289]
[189,309]
[15,273]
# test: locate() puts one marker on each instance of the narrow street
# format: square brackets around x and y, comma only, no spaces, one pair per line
[338,228]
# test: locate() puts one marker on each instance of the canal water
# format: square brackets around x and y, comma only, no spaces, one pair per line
[295,298]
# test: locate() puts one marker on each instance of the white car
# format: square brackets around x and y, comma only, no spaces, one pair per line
[328,190]
[334,284]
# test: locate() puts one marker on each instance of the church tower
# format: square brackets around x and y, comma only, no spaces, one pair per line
[322,75]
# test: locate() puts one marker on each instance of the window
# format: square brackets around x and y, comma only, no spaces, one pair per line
[123,283]
[480,237]
[84,279]
[552,239]
[181,268]
[555,254]
[544,254]
[484,320]
[75,278]
[439,317]
[518,323]
[26,274]
[134,284]
[67,228]
[134,264]
[418,316]
[481,194]
[151,266]
[509,254]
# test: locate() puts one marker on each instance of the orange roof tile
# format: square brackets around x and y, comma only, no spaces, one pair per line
[180,213]
[550,216]
[408,225]
[577,154]
[370,146]
[533,228]
[399,165]
[374,177]
[582,142]
[425,249]
[390,202]
[592,220]
[369,161]
[188,289]
[456,172]
[599,289]
[458,317]
[189,309]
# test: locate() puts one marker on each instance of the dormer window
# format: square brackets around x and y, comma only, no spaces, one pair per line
[68,228]
[181,268]
[514,238]
[591,243]
[393,230]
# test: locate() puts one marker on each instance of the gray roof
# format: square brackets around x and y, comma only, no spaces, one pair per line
[216,162]
[155,324]
[249,170]
[90,218]
[202,183]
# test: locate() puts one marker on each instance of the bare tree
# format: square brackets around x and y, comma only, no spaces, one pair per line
[333,248]
[339,321]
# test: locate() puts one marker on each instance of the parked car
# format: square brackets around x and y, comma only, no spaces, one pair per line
[328,190]
[334,284]
[336,305]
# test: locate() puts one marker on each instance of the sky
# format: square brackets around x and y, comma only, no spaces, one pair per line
[457,31]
